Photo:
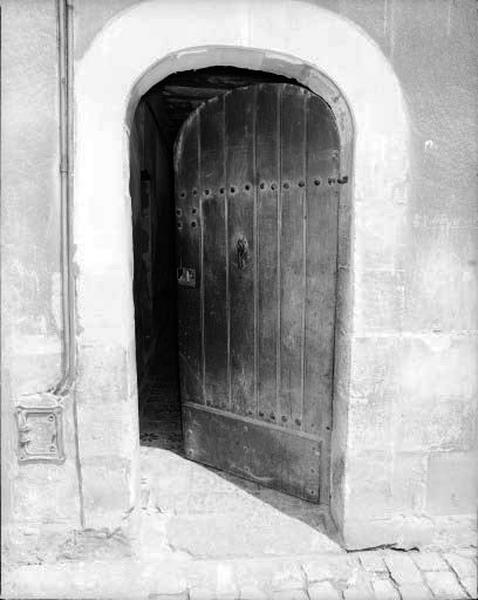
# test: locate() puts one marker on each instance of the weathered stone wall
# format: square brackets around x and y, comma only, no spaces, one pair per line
[415,352]
[416,363]
[39,497]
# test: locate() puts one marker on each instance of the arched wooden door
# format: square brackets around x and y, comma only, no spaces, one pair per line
[256,222]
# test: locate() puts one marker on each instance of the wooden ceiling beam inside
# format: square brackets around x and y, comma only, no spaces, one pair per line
[174,98]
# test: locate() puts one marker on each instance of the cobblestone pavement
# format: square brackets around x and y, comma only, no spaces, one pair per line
[206,535]
[216,516]
[370,575]
[237,546]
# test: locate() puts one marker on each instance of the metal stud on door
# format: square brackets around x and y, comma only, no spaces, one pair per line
[256,205]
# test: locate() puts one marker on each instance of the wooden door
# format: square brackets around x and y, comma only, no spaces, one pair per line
[256,221]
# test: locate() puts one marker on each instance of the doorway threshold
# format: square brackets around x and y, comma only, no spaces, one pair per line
[209,514]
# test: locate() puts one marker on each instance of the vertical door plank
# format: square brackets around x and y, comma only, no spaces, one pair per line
[267,181]
[240,117]
[322,207]
[188,255]
[216,387]
[292,274]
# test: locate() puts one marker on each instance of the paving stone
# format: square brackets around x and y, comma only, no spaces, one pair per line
[318,570]
[202,594]
[183,596]
[357,592]
[262,577]
[429,561]
[372,561]
[360,589]
[338,568]
[164,578]
[444,585]
[323,590]
[471,586]
[212,581]
[415,591]
[402,568]
[210,593]
[469,552]
[253,592]
[289,595]
[290,578]
[384,589]
[462,565]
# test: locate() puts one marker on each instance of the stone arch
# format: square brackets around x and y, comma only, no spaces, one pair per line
[135,50]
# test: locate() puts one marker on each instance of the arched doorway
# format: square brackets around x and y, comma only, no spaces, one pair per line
[256,314]
[102,230]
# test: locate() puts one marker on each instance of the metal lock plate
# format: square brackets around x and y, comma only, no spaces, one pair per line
[186,277]
[40,434]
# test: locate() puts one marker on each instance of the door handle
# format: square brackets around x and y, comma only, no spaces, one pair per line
[242,248]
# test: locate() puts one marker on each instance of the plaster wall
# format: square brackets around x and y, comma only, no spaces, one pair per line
[41,498]
[410,472]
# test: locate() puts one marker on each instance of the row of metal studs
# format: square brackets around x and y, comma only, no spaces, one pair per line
[247,188]
[179,224]
[271,417]
[263,186]
[179,211]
